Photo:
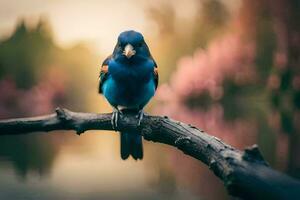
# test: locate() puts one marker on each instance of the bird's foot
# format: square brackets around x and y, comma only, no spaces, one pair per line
[115,118]
[140,117]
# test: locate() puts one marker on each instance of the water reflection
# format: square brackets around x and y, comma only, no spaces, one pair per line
[85,167]
[27,154]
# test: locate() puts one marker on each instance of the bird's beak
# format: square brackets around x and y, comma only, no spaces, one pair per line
[128,51]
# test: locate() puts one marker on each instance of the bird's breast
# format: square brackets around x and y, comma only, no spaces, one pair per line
[132,71]
[130,85]
[129,94]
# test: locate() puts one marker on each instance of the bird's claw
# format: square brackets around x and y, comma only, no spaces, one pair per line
[116,114]
[140,117]
[114,119]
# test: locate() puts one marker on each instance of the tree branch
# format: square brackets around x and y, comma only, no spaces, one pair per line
[245,173]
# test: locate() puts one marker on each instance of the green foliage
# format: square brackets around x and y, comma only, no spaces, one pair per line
[24,52]
[266,46]
[46,76]
[30,53]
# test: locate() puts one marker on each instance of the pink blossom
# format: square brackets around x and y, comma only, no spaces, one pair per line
[40,99]
[226,57]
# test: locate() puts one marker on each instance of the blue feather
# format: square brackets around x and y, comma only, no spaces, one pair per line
[130,82]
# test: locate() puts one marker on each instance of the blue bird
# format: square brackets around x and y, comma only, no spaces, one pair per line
[128,80]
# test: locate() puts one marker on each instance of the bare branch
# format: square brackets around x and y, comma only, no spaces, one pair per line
[245,173]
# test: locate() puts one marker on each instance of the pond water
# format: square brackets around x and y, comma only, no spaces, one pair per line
[62,165]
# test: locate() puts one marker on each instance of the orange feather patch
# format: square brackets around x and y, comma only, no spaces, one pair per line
[155,71]
[104,69]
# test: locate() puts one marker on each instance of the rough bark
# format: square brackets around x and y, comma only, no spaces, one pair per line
[245,173]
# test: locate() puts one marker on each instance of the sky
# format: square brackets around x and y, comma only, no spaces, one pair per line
[96,21]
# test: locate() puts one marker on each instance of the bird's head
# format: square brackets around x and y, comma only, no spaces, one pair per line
[131,44]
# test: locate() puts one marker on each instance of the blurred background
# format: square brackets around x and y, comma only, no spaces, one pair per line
[230,67]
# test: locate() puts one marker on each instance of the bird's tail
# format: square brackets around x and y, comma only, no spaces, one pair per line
[131,144]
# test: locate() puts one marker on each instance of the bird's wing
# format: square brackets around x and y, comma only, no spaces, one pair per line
[103,73]
[156,77]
